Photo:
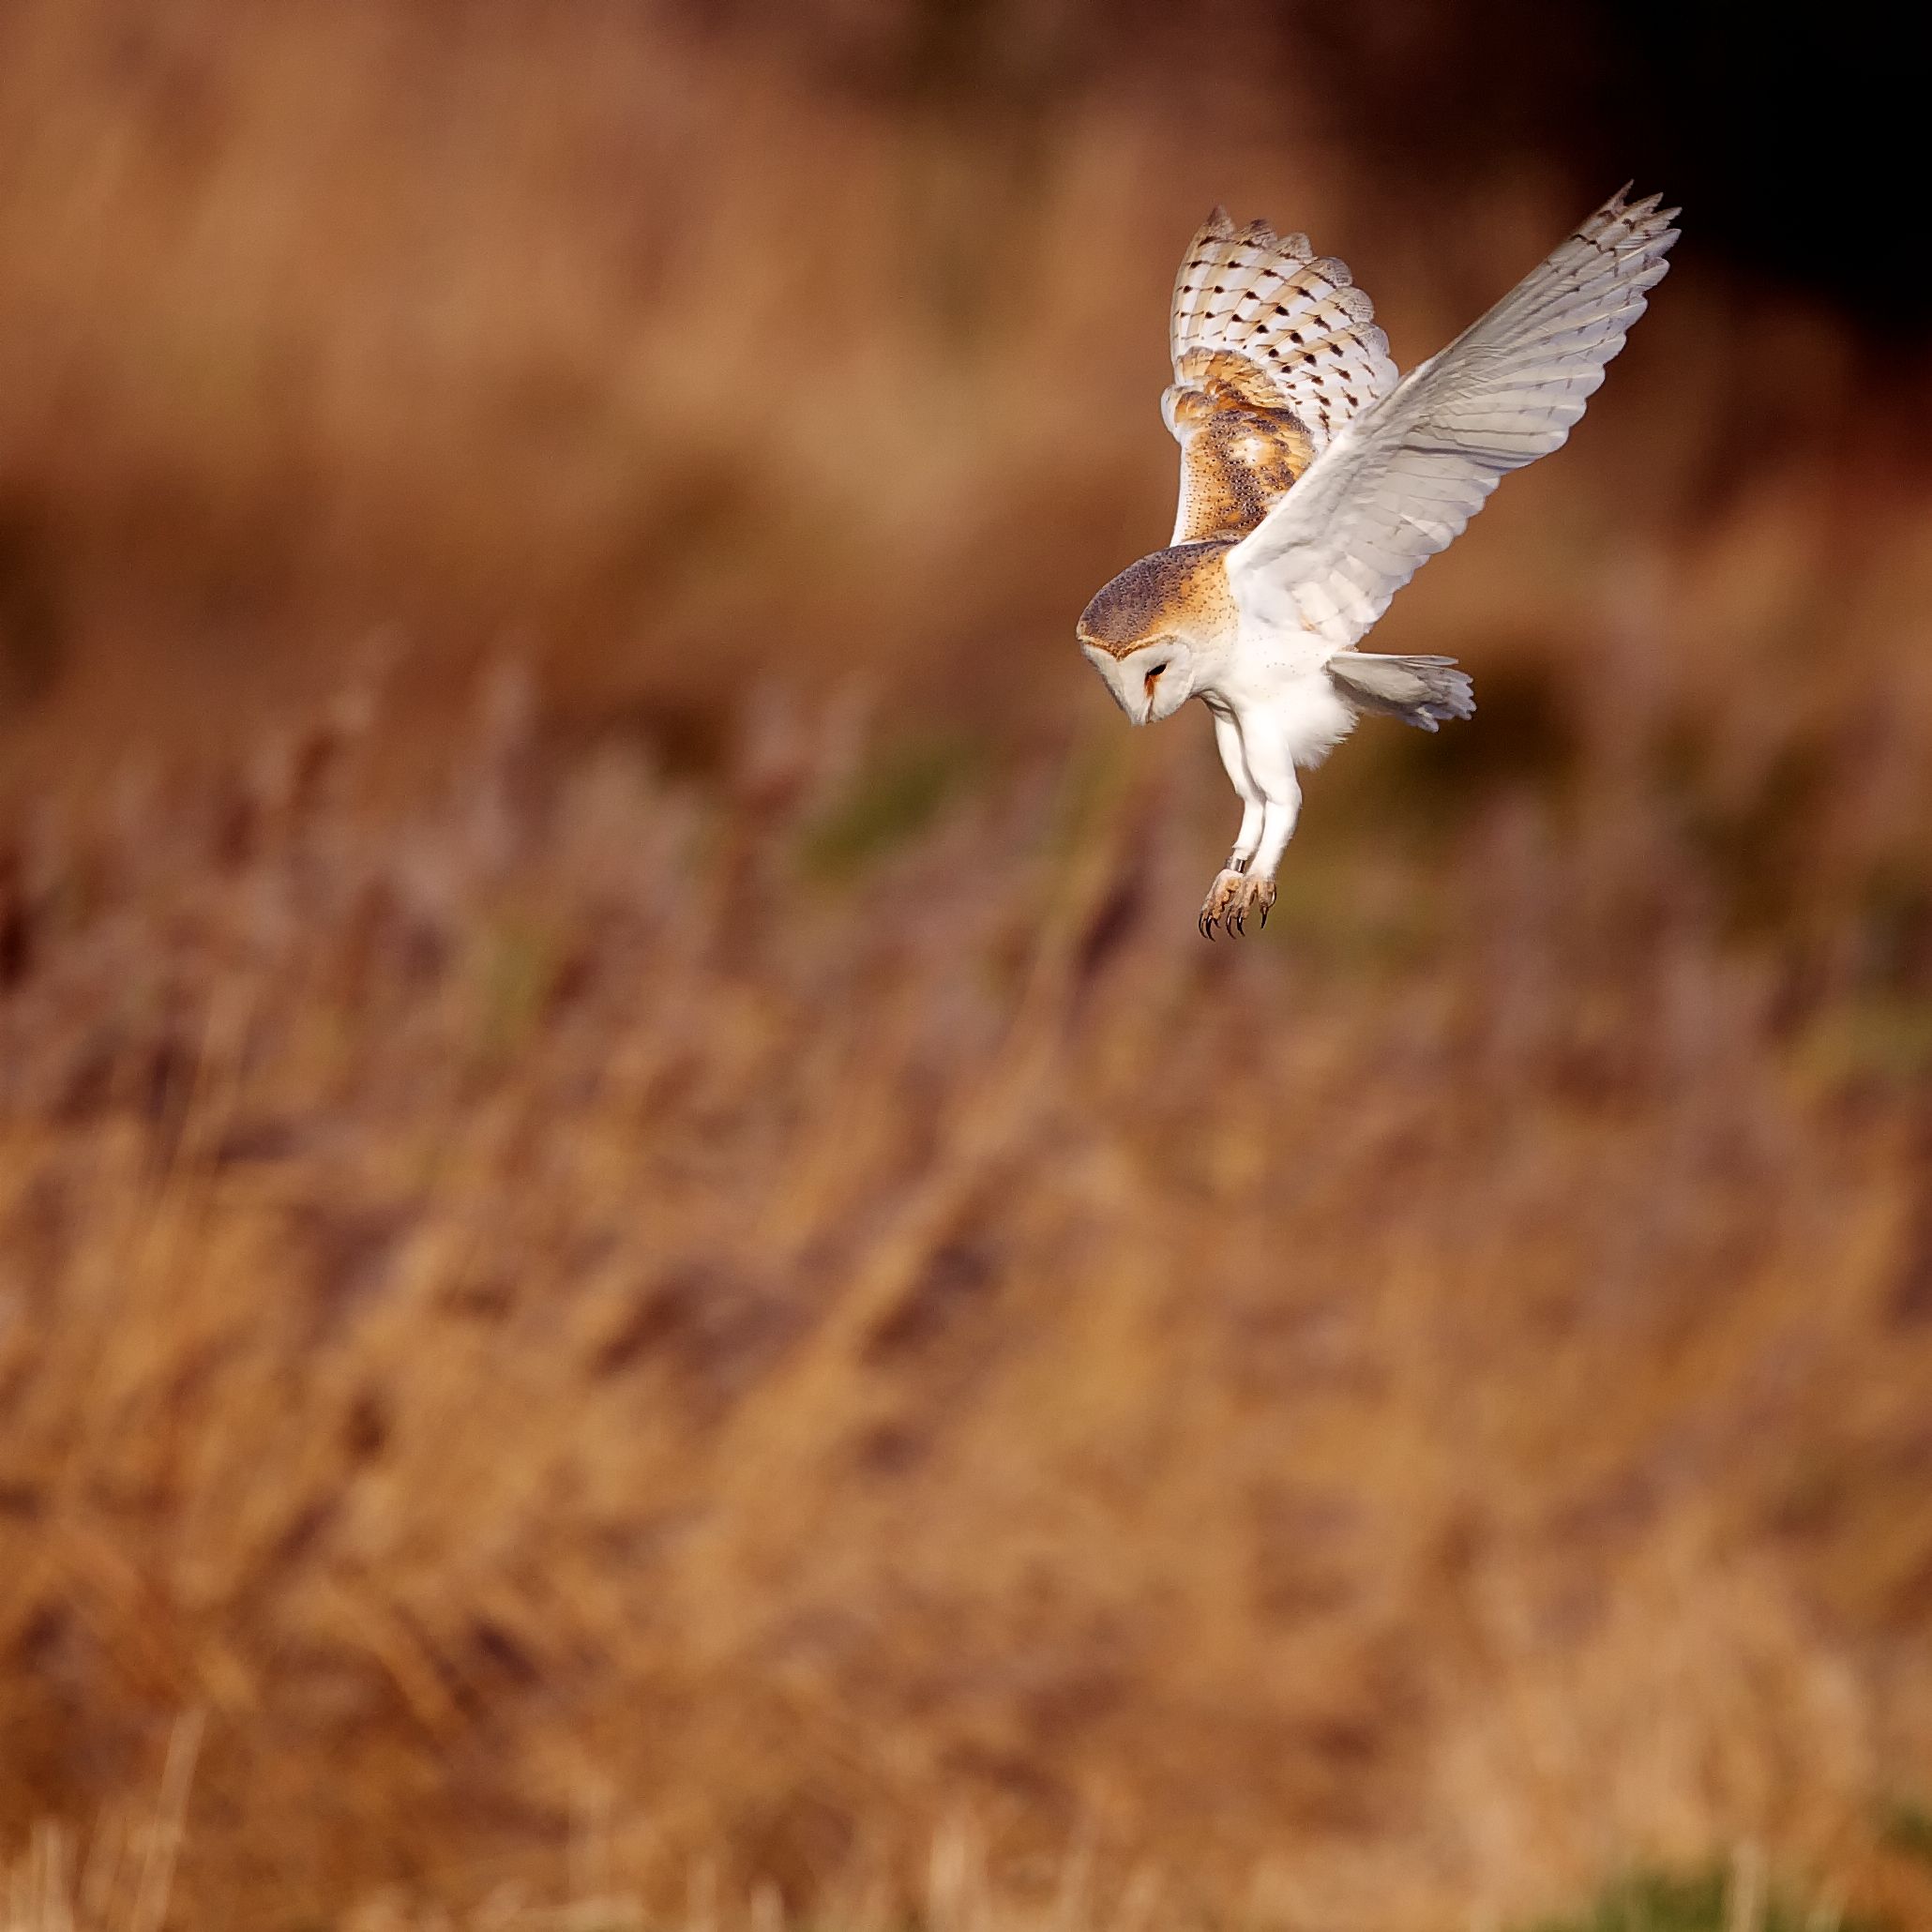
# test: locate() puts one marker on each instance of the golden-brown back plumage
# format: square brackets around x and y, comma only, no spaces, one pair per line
[1274,349]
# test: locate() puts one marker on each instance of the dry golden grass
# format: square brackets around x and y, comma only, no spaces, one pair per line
[569,1297]
[674,1290]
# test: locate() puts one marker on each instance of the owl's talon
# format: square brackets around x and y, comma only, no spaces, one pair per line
[1219,908]
[1232,897]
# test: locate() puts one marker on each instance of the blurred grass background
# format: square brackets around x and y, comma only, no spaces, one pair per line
[644,1269]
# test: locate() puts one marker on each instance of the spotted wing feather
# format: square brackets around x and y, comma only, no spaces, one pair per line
[1273,351]
[1403,478]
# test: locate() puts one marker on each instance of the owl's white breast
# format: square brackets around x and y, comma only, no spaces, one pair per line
[1274,683]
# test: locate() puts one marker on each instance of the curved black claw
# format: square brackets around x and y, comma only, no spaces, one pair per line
[1220,911]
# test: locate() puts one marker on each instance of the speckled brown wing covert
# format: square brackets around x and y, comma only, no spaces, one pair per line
[1273,351]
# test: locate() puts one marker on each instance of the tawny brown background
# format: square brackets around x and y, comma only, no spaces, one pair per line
[639,1248]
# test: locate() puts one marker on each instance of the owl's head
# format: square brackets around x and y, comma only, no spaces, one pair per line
[1154,633]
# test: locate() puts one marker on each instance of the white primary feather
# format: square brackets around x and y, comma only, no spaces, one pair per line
[1401,480]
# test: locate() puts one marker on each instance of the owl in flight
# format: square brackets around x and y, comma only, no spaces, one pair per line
[1314,484]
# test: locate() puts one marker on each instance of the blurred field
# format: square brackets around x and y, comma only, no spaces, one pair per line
[642,1260]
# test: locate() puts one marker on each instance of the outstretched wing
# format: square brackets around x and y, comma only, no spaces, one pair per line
[1402,480]
[1274,352]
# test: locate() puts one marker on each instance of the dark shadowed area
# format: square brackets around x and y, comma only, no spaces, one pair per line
[648,1278]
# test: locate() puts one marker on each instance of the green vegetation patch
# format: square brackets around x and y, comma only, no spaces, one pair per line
[1697,1901]
[1907,1827]
[889,800]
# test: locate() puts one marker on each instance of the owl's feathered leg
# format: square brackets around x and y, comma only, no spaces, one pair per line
[1282,811]
[1218,908]
[1269,770]
[1252,889]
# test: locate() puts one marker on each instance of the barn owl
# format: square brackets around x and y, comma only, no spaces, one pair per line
[1314,484]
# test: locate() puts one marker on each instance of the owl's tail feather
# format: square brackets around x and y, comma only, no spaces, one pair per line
[1420,691]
